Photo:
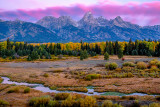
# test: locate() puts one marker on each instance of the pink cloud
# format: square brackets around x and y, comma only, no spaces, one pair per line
[144,14]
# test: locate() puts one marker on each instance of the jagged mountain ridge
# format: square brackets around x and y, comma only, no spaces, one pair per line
[100,29]
[65,29]
[25,31]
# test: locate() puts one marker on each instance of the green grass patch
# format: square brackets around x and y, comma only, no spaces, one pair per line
[114,94]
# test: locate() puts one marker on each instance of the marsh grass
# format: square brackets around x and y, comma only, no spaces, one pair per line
[53,87]
[1,80]
[77,89]
[111,66]
[27,90]
[61,96]
[56,71]
[141,65]
[43,101]
[4,103]
[14,90]
[4,86]
[90,77]
[46,75]
[109,103]
[128,64]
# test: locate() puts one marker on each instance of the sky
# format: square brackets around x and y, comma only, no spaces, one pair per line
[142,12]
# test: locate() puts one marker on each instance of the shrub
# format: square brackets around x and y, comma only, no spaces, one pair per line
[130,64]
[46,75]
[158,64]
[61,96]
[118,69]
[141,65]
[153,68]
[69,102]
[4,57]
[13,57]
[130,75]
[53,103]
[106,56]
[57,71]
[43,101]
[89,77]
[88,101]
[29,58]
[10,58]
[107,65]
[135,104]
[108,103]
[27,90]
[3,103]
[126,69]
[14,90]
[53,87]
[111,66]
[154,105]
[158,98]
[153,62]
[60,56]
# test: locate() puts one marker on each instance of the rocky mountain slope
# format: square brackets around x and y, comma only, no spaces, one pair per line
[65,29]
[25,31]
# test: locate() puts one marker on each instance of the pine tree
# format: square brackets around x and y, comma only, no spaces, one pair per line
[34,55]
[120,53]
[149,54]
[111,51]
[126,49]
[97,49]
[130,46]
[81,55]
[134,52]
[85,53]
[8,44]
[136,45]
[20,53]
[107,47]
[47,55]
[106,56]
[92,53]
[29,58]
[116,47]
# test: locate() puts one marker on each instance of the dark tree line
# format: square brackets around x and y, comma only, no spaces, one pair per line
[44,51]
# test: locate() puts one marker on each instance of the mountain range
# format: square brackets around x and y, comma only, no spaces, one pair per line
[65,29]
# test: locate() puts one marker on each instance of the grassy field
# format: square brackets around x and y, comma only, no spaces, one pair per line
[73,73]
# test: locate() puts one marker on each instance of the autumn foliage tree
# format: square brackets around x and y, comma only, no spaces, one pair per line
[82,49]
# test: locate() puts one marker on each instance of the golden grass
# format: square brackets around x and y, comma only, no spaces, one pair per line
[21,99]
[125,85]
[77,89]
[59,79]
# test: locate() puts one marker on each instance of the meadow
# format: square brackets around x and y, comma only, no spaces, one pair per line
[77,66]
[73,74]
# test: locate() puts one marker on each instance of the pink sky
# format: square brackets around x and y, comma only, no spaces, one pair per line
[144,12]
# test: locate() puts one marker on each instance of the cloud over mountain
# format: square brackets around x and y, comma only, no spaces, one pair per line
[131,11]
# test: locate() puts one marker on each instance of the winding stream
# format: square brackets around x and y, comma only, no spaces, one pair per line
[91,91]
